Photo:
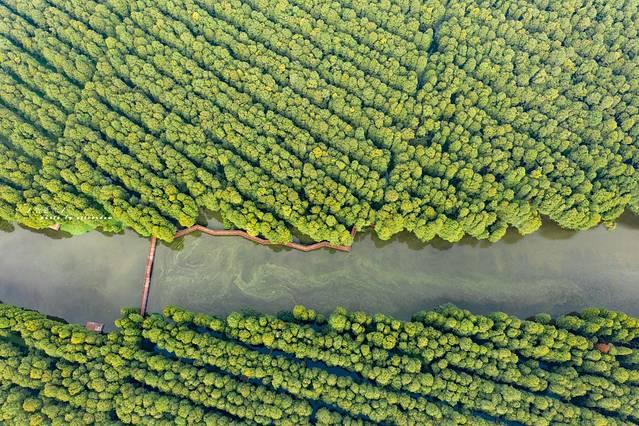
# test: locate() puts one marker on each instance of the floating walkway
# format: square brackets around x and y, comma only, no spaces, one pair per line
[147,276]
[226,233]
[262,241]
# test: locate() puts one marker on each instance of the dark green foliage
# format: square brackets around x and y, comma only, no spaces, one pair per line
[443,119]
[446,366]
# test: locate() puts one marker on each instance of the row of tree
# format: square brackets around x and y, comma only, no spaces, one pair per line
[358,398]
[269,51]
[318,118]
[314,185]
[331,41]
[401,51]
[611,326]
[394,353]
[304,368]
[541,340]
[518,124]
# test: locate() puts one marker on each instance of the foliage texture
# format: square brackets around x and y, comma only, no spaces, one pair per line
[445,366]
[311,117]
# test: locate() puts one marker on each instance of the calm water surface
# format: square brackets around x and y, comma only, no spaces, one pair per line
[81,278]
[89,277]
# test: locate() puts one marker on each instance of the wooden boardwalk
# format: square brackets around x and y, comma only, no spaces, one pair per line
[226,232]
[262,241]
[147,276]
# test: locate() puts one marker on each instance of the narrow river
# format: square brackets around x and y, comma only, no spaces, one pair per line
[89,277]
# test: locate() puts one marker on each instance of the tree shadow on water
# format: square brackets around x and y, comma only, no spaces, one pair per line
[178,243]
[210,218]
[6,226]
[512,237]
[549,230]
[412,242]
[58,319]
[629,220]
[56,235]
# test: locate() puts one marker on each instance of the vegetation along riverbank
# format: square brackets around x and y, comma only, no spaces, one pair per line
[441,118]
[300,367]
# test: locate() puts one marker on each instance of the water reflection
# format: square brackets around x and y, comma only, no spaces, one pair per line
[85,278]
[629,221]
[551,270]
[50,233]
[6,226]
[549,230]
[89,277]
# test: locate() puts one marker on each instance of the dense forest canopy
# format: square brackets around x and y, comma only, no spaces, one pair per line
[306,116]
[445,366]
